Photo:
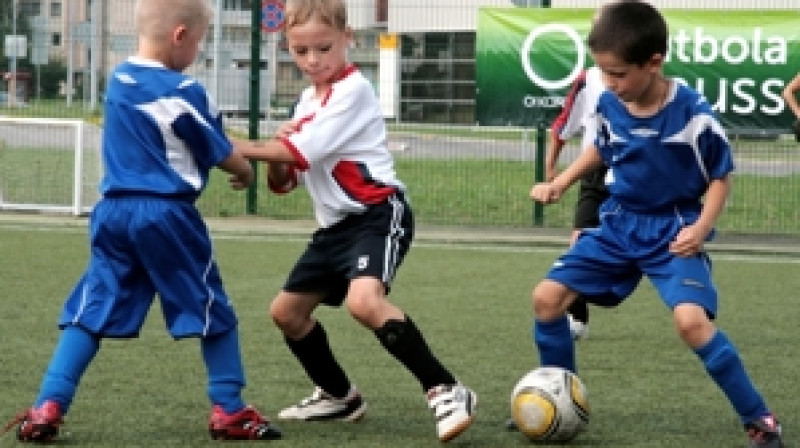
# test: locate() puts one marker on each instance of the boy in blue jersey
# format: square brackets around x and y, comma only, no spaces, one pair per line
[669,176]
[161,137]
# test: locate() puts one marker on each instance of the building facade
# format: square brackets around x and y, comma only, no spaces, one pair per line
[420,55]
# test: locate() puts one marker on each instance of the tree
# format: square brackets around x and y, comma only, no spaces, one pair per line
[52,75]
[6,28]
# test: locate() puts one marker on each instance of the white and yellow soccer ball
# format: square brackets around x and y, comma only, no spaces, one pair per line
[550,404]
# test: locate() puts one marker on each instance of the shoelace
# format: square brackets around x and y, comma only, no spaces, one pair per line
[761,434]
[21,416]
[316,396]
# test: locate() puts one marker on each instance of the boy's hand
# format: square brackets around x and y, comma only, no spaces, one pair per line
[241,181]
[546,193]
[286,129]
[689,241]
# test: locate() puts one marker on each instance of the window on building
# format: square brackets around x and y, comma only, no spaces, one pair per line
[437,77]
[381,11]
[370,40]
[55,9]
[30,8]
[55,39]
[237,5]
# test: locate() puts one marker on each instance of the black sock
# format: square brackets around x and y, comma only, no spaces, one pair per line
[404,341]
[579,310]
[314,354]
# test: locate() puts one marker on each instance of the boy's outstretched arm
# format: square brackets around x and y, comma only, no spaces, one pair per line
[264,150]
[550,192]
[551,158]
[690,239]
[279,158]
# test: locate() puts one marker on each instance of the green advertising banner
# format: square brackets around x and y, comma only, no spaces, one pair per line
[527,58]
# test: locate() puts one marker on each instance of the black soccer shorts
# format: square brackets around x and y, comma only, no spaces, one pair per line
[371,244]
[591,194]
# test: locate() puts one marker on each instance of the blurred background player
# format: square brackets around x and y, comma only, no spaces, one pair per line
[579,106]
[336,147]
[790,96]
[161,137]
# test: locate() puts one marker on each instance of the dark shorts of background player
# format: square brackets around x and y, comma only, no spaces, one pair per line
[591,194]
[371,244]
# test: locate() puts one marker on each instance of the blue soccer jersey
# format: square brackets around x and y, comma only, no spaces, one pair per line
[665,160]
[163,135]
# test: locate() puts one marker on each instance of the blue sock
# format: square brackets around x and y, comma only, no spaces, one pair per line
[225,372]
[75,350]
[722,362]
[554,342]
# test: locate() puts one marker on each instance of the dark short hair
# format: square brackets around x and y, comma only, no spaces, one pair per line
[632,30]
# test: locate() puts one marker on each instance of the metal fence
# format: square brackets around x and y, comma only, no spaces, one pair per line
[457,172]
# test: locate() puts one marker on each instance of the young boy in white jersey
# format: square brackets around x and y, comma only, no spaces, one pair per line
[336,146]
[579,106]
[161,137]
[669,176]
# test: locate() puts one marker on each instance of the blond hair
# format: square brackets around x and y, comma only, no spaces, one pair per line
[330,12]
[155,19]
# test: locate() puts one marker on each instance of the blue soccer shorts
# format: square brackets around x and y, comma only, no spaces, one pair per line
[142,246]
[606,264]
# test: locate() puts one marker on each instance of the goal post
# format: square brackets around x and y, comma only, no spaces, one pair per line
[49,165]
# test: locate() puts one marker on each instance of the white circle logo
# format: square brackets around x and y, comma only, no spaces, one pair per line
[528,44]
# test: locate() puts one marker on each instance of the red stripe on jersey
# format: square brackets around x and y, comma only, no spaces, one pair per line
[355,180]
[569,103]
[344,74]
[299,159]
[350,69]
[303,121]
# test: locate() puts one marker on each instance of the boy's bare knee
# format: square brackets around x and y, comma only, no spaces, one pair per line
[360,306]
[693,325]
[372,311]
[550,299]
[367,303]
[277,312]
[281,314]
[366,309]
[293,320]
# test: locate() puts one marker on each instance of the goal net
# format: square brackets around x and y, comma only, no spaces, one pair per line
[49,165]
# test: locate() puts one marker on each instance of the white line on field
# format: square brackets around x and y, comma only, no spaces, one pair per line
[421,243]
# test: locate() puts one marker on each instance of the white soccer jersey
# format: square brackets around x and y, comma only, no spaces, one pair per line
[580,104]
[341,155]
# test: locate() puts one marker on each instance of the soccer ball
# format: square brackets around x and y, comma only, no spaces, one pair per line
[550,404]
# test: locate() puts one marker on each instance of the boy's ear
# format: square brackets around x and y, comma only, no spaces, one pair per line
[656,61]
[179,33]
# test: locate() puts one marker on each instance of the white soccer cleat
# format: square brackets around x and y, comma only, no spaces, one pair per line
[578,329]
[322,406]
[454,409]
